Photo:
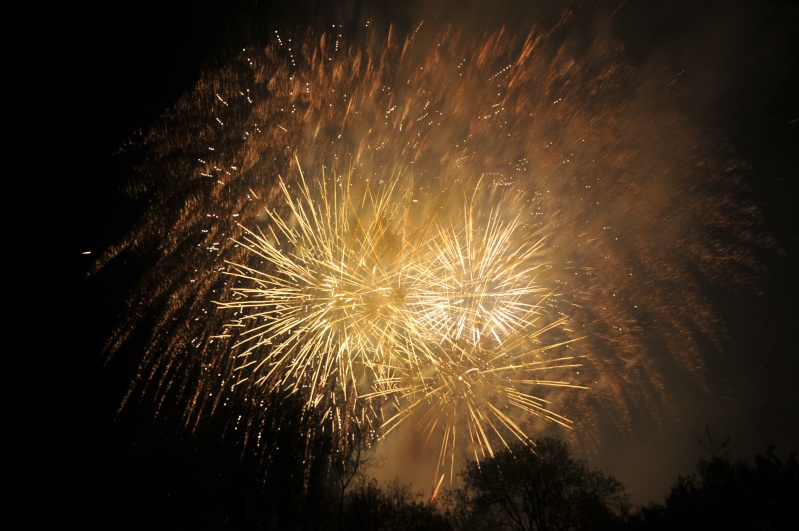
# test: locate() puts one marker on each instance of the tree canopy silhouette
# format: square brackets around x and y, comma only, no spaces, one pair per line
[393,507]
[730,494]
[539,488]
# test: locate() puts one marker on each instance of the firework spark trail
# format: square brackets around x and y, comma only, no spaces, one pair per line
[482,391]
[327,291]
[476,286]
[623,211]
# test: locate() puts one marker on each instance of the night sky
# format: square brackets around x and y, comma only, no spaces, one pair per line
[125,68]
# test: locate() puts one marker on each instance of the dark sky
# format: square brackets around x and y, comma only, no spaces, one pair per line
[126,67]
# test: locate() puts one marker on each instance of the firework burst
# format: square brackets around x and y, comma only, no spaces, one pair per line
[477,203]
[351,302]
[326,297]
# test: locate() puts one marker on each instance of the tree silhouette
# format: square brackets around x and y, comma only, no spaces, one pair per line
[395,508]
[730,494]
[538,488]
[350,461]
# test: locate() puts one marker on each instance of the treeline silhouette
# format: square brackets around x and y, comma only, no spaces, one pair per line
[164,482]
